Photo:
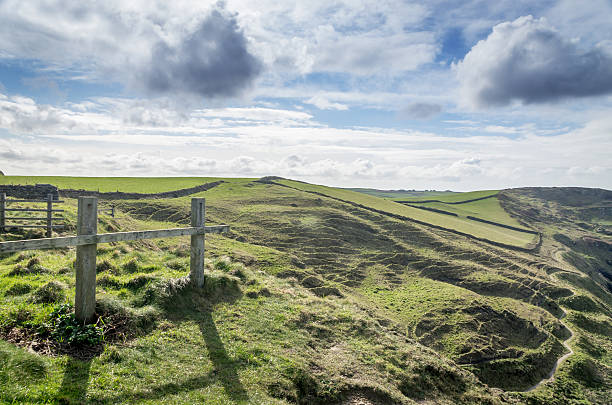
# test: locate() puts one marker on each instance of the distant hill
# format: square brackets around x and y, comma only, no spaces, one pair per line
[400,194]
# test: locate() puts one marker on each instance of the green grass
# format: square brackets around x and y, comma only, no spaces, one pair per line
[110,184]
[401,194]
[477,229]
[307,300]
[457,197]
[450,318]
[488,209]
[230,343]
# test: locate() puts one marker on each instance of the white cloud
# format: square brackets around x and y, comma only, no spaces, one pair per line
[322,103]
[169,48]
[372,53]
[247,142]
[529,61]
[163,47]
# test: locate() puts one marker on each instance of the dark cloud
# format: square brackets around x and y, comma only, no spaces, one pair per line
[213,61]
[420,111]
[528,61]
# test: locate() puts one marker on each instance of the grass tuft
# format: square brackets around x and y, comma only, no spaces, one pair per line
[18,288]
[49,293]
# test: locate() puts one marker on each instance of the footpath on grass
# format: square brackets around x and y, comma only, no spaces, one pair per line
[551,376]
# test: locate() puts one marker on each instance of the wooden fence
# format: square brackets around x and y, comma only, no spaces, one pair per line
[31,221]
[87,239]
[109,211]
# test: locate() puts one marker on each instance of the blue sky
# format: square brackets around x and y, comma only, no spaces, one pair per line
[390,94]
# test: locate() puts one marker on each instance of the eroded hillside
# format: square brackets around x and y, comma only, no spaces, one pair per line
[314,298]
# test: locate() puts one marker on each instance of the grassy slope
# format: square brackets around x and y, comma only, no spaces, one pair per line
[240,346]
[457,197]
[465,225]
[488,209]
[400,194]
[269,327]
[574,238]
[109,184]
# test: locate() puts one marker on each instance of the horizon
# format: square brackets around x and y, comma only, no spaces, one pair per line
[319,184]
[393,95]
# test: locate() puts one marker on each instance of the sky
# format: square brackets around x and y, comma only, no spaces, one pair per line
[389,94]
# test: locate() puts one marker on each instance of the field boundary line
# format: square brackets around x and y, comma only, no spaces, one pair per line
[120,195]
[532,249]
[514,228]
[446,202]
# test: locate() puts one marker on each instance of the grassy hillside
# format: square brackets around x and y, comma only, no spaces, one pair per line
[489,209]
[401,194]
[460,224]
[309,299]
[457,197]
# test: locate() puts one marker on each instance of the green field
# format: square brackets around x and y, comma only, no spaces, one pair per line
[461,224]
[401,194]
[488,209]
[110,184]
[491,211]
[308,300]
[455,197]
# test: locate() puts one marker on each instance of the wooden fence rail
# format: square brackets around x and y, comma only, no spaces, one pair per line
[108,211]
[87,239]
[49,218]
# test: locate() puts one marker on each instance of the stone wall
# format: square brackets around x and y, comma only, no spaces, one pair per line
[118,195]
[29,192]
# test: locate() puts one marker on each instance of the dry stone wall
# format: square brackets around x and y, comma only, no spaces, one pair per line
[118,195]
[30,192]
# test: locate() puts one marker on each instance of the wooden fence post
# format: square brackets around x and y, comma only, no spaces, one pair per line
[85,295]
[198,218]
[49,215]
[2,208]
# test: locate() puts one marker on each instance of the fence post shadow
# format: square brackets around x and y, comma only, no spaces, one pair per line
[75,382]
[225,368]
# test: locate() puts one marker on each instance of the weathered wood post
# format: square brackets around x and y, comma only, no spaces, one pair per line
[85,296]
[196,269]
[2,211]
[49,215]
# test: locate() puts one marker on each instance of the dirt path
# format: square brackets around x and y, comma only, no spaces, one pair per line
[557,256]
[551,375]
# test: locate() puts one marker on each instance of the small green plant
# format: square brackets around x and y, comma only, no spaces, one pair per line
[223,264]
[63,327]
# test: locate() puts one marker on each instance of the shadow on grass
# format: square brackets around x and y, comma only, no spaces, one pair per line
[189,304]
[76,379]
[225,368]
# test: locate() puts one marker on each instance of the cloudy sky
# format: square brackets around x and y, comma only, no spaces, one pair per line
[458,95]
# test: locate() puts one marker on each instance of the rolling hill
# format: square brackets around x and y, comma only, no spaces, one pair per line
[324,295]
